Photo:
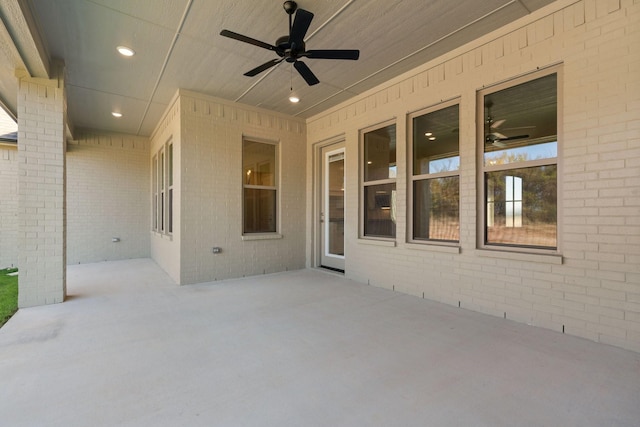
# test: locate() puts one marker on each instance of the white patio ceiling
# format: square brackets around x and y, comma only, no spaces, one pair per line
[178,45]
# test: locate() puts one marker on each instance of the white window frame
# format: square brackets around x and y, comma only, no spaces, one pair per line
[154,190]
[170,192]
[162,189]
[483,169]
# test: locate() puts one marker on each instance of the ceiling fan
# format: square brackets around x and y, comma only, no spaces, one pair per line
[291,48]
[495,138]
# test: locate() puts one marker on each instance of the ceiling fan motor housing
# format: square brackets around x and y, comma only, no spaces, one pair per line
[291,48]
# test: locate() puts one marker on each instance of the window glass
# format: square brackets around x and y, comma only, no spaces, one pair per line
[170,167]
[521,207]
[162,183]
[161,169]
[379,186]
[436,185]
[170,200]
[260,192]
[380,210]
[161,201]
[436,209]
[380,154]
[520,164]
[259,211]
[259,163]
[520,122]
[155,191]
[546,150]
[435,142]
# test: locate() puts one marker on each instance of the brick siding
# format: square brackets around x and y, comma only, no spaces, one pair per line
[593,290]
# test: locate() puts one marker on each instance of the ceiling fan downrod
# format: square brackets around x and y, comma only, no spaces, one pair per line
[290,7]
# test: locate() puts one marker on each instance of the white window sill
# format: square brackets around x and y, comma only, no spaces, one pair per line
[161,235]
[257,236]
[433,248]
[520,256]
[377,242]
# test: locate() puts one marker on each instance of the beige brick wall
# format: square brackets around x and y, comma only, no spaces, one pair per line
[593,290]
[210,152]
[107,197]
[165,249]
[41,191]
[8,206]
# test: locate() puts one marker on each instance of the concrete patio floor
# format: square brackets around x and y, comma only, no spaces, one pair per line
[302,348]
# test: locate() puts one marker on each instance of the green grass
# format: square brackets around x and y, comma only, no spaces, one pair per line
[8,295]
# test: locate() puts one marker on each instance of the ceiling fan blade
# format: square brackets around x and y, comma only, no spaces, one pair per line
[519,127]
[333,54]
[498,140]
[263,67]
[300,26]
[306,73]
[498,135]
[511,138]
[497,124]
[246,39]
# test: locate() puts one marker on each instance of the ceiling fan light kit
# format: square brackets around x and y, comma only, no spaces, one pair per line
[125,51]
[292,47]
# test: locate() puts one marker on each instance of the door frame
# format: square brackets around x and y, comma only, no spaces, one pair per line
[317,201]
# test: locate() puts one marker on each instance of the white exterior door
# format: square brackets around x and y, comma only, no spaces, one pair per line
[332,208]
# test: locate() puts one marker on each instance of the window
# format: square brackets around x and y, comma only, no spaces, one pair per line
[154,179]
[520,164]
[435,178]
[379,182]
[260,186]
[170,188]
[162,182]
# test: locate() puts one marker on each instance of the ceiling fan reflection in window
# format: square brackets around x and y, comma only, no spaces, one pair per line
[493,135]
[291,48]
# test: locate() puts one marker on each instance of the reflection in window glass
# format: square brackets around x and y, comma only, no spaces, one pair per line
[260,191]
[436,198]
[546,150]
[436,209]
[520,164]
[521,207]
[379,192]
[380,210]
[521,116]
[259,211]
[436,142]
[259,161]
[154,175]
[449,164]
[170,201]
[335,205]
[380,154]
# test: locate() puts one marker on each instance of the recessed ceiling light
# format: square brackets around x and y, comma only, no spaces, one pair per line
[116,114]
[125,51]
